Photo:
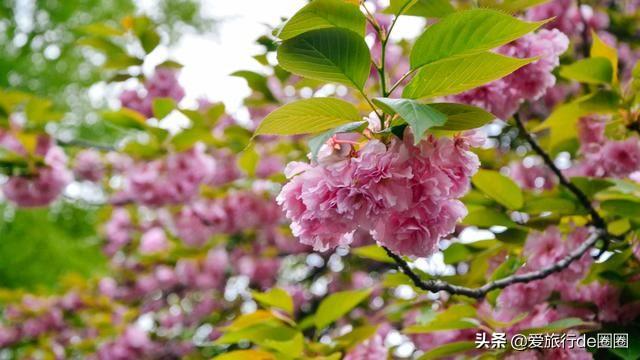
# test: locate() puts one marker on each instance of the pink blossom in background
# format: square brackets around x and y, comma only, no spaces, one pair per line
[153,240]
[49,180]
[88,165]
[567,17]
[406,194]
[162,84]
[370,349]
[175,179]
[532,176]
[503,97]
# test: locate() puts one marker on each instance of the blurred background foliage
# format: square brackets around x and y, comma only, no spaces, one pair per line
[41,56]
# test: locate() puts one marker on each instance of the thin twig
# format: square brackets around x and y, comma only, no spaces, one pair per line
[401,80]
[85,144]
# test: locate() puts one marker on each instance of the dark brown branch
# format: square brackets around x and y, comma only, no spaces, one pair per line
[596,219]
[480,292]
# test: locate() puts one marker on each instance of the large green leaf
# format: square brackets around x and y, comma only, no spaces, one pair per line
[596,70]
[337,305]
[420,117]
[462,116]
[322,14]
[308,116]
[334,55]
[510,6]
[467,32]
[424,8]
[455,75]
[499,187]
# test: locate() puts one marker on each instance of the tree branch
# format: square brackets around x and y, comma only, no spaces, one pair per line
[480,292]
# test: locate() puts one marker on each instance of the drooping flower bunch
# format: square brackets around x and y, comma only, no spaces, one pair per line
[406,195]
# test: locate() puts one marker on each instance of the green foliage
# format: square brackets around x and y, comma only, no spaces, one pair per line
[460,73]
[424,8]
[277,298]
[462,117]
[322,14]
[420,117]
[499,187]
[333,54]
[467,33]
[597,70]
[40,245]
[337,305]
[308,116]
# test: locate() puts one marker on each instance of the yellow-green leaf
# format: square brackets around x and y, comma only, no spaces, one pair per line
[337,305]
[499,187]
[308,116]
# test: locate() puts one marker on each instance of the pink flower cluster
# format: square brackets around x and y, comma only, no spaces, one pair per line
[174,179]
[48,181]
[163,84]
[405,195]
[532,175]
[602,157]
[543,250]
[236,212]
[567,18]
[503,97]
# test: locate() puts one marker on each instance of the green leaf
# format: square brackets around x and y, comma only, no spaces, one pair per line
[424,8]
[276,297]
[256,82]
[557,326]
[337,305]
[449,349]
[487,217]
[322,14]
[126,118]
[600,49]
[162,107]
[334,55]
[466,33]
[562,121]
[185,139]
[455,75]
[316,142]
[149,39]
[248,160]
[308,116]
[462,117]
[356,336]
[373,252]
[290,347]
[625,208]
[420,117]
[456,253]
[510,6]
[246,355]
[596,70]
[499,187]
[555,205]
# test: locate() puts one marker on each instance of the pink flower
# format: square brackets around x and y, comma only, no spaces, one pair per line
[153,241]
[622,157]
[43,187]
[504,96]
[88,166]
[162,84]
